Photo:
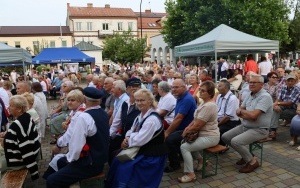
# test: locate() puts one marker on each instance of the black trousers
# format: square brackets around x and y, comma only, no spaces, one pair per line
[70,173]
[114,147]
[226,127]
[173,142]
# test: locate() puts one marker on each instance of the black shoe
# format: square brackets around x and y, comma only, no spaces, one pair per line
[169,169]
[53,142]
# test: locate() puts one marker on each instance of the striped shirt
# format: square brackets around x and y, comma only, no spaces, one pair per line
[21,144]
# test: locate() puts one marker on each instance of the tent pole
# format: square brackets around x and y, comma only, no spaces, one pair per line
[216,67]
[23,63]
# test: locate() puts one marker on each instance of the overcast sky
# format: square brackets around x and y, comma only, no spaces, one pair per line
[54,12]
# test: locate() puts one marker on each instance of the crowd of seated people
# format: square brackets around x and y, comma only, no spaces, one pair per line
[154,109]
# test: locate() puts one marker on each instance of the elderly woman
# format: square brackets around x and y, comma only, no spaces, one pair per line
[37,90]
[206,124]
[7,85]
[194,82]
[271,86]
[166,104]
[59,114]
[21,142]
[146,133]
[33,113]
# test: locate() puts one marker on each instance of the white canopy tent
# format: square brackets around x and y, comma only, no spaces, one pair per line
[11,56]
[224,40]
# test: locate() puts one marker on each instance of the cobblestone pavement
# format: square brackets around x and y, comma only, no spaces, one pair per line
[281,167]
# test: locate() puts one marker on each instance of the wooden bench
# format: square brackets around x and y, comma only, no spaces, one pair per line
[258,145]
[212,153]
[96,181]
[14,179]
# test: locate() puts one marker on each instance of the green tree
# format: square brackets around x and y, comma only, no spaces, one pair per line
[189,19]
[124,48]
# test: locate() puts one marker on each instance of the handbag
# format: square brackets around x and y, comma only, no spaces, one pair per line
[128,154]
[191,137]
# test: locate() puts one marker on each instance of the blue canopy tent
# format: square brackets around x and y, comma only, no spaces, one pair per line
[61,55]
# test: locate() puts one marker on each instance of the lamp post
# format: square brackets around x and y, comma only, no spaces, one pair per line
[141,30]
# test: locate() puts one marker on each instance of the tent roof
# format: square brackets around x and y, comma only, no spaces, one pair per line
[85,46]
[226,40]
[61,55]
[13,56]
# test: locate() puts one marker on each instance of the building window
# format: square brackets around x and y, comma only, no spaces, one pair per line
[130,26]
[90,42]
[18,44]
[89,26]
[64,43]
[78,26]
[105,26]
[120,26]
[52,44]
[36,47]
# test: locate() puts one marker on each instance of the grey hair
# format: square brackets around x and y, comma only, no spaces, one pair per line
[76,94]
[69,84]
[20,102]
[92,100]
[261,79]
[148,94]
[226,83]
[163,85]
[120,84]
[110,79]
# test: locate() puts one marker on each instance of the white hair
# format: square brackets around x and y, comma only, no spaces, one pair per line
[120,84]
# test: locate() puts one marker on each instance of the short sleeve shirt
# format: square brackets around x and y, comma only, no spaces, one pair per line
[186,105]
[262,100]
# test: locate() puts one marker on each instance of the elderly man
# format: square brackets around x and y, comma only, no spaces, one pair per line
[119,92]
[89,80]
[55,85]
[124,118]
[227,104]
[166,104]
[184,111]
[87,142]
[285,105]
[256,111]
[224,68]
[39,107]
[110,99]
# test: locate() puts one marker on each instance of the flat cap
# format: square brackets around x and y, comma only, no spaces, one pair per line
[133,81]
[290,76]
[92,93]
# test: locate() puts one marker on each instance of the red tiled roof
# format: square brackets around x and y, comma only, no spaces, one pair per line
[151,14]
[100,12]
[149,23]
[34,30]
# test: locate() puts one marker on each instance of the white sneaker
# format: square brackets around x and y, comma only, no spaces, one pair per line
[292,143]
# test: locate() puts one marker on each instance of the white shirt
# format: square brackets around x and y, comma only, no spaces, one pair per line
[265,67]
[224,66]
[82,125]
[4,96]
[91,84]
[236,83]
[117,123]
[40,109]
[145,134]
[118,102]
[168,103]
[231,106]
[44,85]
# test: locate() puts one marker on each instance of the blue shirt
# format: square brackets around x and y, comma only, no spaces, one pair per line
[186,105]
[57,82]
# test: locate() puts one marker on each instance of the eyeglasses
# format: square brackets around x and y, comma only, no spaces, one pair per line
[202,91]
[254,82]
[176,87]
[140,100]
[274,77]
